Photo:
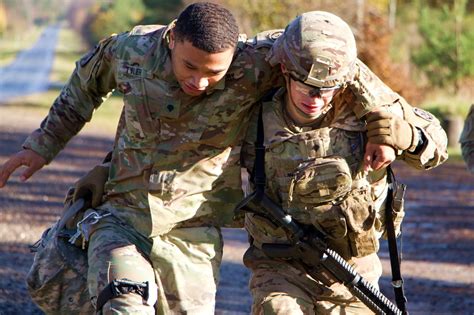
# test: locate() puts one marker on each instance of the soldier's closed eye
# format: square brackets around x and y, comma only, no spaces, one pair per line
[190,66]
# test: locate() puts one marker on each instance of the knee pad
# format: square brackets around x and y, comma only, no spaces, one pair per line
[147,290]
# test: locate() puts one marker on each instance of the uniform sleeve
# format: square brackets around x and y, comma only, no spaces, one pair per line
[467,140]
[248,148]
[369,90]
[434,148]
[267,77]
[88,86]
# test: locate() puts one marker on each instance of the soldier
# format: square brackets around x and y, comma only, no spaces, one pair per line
[467,140]
[315,146]
[174,174]
[187,90]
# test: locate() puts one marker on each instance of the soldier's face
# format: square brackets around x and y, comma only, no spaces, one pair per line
[197,70]
[306,103]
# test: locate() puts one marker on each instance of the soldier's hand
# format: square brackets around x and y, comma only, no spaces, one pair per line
[389,129]
[378,156]
[32,160]
[91,186]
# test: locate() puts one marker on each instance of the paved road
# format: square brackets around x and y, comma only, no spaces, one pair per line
[29,72]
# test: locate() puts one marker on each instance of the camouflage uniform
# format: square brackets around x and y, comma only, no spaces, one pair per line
[174,173]
[467,140]
[315,173]
[353,224]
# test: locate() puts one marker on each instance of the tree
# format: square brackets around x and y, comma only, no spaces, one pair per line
[113,17]
[448,44]
[3,19]
[161,11]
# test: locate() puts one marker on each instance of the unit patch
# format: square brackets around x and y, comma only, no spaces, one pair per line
[88,56]
[423,114]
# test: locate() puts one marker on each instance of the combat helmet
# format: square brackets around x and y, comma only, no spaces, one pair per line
[317,48]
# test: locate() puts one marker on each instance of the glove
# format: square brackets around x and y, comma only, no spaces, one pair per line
[91,186]
[387,128]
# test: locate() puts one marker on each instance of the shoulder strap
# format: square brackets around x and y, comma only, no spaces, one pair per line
[395,256]
[258,174]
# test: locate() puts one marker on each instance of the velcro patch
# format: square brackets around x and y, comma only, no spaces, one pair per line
[423,114]
[88,56]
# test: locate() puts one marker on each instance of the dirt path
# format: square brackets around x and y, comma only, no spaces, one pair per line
[438,238]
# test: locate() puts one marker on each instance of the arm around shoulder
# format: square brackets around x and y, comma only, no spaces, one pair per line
[431,150]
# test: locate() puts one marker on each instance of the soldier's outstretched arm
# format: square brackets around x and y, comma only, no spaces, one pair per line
[32,160]
[92,80]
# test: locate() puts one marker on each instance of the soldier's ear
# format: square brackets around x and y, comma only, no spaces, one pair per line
[172,40]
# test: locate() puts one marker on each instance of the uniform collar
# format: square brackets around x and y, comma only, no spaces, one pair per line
[162,68]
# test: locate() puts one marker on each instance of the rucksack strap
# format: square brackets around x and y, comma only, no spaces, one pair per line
[258,175]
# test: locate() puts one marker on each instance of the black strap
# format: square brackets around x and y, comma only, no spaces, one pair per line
[124,286]
[258,175]
[395,257]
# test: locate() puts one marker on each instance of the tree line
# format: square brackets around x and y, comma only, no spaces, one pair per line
[408,43]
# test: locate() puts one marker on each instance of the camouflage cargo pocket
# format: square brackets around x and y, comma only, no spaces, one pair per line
[57,280]
[360,214]
[320,180]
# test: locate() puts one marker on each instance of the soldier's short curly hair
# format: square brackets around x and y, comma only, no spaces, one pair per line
[208,26]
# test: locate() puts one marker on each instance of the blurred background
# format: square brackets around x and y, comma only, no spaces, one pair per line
[423,49]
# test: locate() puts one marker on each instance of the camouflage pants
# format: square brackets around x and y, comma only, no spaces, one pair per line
[279,288]
[184,264]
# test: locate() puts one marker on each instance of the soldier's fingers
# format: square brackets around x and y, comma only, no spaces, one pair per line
[378,163]
[29,171]
[367,161]
[379,124]
[377,115]
[8,168]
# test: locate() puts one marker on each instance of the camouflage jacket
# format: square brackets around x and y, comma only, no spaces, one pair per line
[175,157]
[316,174]
[467,140]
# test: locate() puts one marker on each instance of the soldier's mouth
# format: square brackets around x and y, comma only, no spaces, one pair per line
[191,90]
[311,109]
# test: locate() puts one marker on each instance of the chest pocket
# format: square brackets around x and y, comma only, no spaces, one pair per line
[228,115]
[140,130]
[284,159]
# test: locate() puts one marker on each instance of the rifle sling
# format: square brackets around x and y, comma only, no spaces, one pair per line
[395,257]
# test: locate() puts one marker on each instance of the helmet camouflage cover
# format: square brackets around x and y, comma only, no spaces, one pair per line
[317,48]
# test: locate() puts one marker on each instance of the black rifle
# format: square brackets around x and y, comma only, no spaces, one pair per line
[308,246]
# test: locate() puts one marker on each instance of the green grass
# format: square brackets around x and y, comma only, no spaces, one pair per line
[455,154]
[104,120]
[446,105]
[12,44]
[70,47]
